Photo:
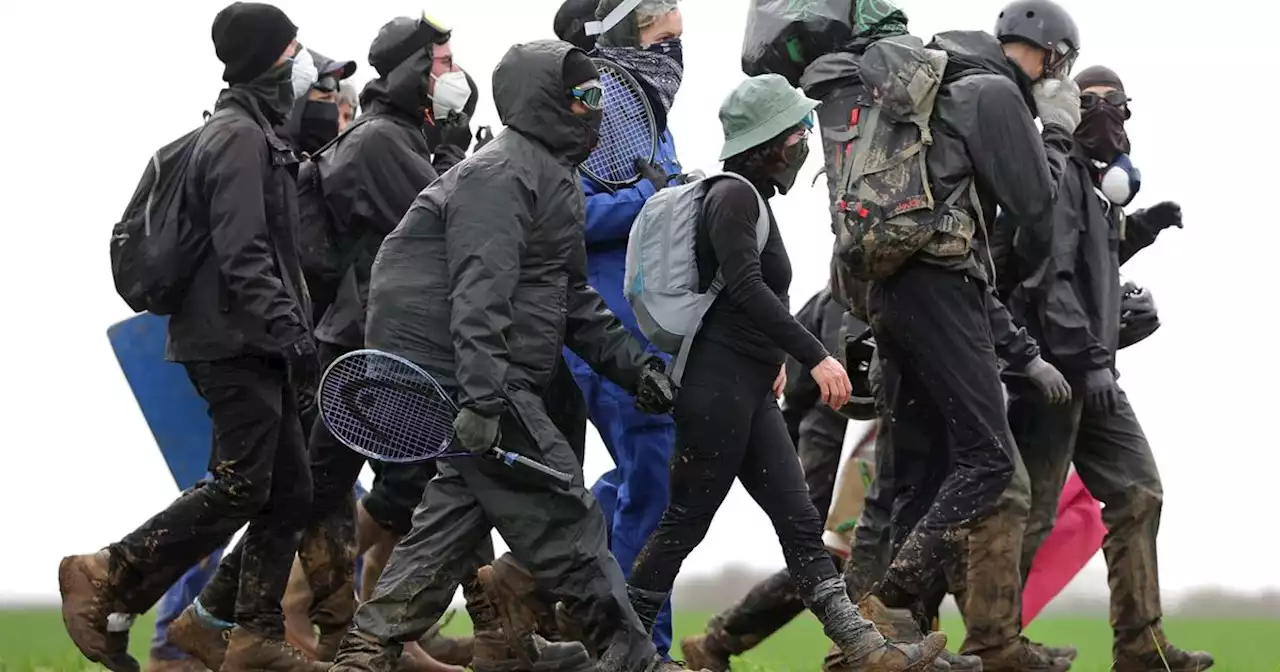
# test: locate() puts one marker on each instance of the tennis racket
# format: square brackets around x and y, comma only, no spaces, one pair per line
[628,131]
[389,409]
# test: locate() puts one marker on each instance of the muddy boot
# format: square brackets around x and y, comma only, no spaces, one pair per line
[708,651]
[361,652]
[494,654]
[569,630]
[85,584]
[864,648]
[155,664]
[449,650]
[511,591]
[1152,652]
[200,636]
[1020,655]
[1065,652]
[958,663]
[249,652]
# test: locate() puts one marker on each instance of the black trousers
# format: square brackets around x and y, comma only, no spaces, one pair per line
[558,534]
[818,433]
[728,425]
[328,546]
[260,477]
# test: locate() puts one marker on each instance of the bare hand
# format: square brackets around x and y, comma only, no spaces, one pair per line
[833,381]
[780,382]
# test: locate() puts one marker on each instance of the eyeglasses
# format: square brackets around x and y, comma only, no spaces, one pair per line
[590,94]
[1116,98]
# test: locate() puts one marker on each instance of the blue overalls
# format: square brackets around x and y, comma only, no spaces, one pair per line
[634,494]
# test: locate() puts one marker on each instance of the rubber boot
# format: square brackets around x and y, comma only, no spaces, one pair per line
[864,648]
[88,598]
[251,652]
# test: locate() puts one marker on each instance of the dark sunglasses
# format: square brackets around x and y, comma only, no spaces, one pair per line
[592,96]
[1113,98]
[326,84]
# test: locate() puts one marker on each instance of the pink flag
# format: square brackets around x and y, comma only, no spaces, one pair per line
[1076,536]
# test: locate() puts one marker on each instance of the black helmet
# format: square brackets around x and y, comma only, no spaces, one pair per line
[858,348]
[1045,24]
[1138,318]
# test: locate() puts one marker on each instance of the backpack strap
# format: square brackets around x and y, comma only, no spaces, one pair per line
[676,368]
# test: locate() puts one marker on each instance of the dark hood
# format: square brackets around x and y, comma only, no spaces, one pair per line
[975,52]
[529,92]
[401,53]
[874,20]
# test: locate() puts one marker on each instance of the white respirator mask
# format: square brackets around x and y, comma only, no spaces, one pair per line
[305,74]
[450,95]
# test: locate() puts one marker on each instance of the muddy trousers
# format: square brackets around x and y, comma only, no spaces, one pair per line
[328,546]
[942,388]
[1115,463]
[557,533]
[260,477]
[728,425]
[818,434]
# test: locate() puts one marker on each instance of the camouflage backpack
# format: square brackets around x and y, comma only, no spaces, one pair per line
[886,212]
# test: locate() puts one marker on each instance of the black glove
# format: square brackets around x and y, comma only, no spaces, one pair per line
[476,433]
[1101,391]
[1049,380]
[483,135]
[1164,215]
[303,363]
[455,131]
[655,391]
[653,173]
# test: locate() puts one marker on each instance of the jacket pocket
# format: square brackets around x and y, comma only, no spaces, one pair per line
[537,327]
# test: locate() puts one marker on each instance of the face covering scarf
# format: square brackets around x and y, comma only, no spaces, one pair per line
[794,156]
[275,88]
[661,66]
[319,125]
[1101,132]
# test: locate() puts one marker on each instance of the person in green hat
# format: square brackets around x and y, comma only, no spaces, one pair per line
[728,423]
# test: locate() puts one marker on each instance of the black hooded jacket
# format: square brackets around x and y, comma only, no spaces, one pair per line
[484,279]
[1068,291]
[247,297]
[983,127]
[370,178]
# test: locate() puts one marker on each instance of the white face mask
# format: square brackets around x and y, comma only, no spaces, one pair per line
[304,73]
[450,95]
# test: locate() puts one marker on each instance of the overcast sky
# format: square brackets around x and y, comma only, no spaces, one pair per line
[94,88]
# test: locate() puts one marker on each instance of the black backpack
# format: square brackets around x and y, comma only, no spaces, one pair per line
[155,250]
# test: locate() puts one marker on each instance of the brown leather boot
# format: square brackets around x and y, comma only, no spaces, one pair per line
[920,657]
[87,599]
[250,652]
[493,653]
[707,651]
[200,639]
[174,665]
[1020,655]
[1152,652]
[511,591]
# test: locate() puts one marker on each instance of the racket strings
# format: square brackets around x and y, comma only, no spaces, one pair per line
[626,131]
[387,410]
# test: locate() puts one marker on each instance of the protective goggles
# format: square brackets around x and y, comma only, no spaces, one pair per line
[326,84]
[439,33]
[1061,59]
[590,94]
[1118,99]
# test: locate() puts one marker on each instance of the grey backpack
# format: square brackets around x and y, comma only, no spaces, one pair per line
[661,281]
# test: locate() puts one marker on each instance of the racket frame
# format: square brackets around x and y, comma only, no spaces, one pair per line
[618,72]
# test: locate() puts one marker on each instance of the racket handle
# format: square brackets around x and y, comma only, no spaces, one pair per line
[511,459]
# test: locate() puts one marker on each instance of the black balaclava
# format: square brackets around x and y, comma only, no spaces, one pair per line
[274,88]
[578,69]
[1101,134]
[319,125]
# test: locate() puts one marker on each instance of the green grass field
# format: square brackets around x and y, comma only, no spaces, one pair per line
[34,641]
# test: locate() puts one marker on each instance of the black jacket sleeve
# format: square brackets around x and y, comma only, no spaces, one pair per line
[372,183]
[487,216]
[446,157]
[233,185]
[596,335]
[1018,166]
[731,211]
[1138,235]
[1013,344]
[1066,326]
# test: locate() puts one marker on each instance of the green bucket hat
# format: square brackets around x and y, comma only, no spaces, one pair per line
[759,110]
